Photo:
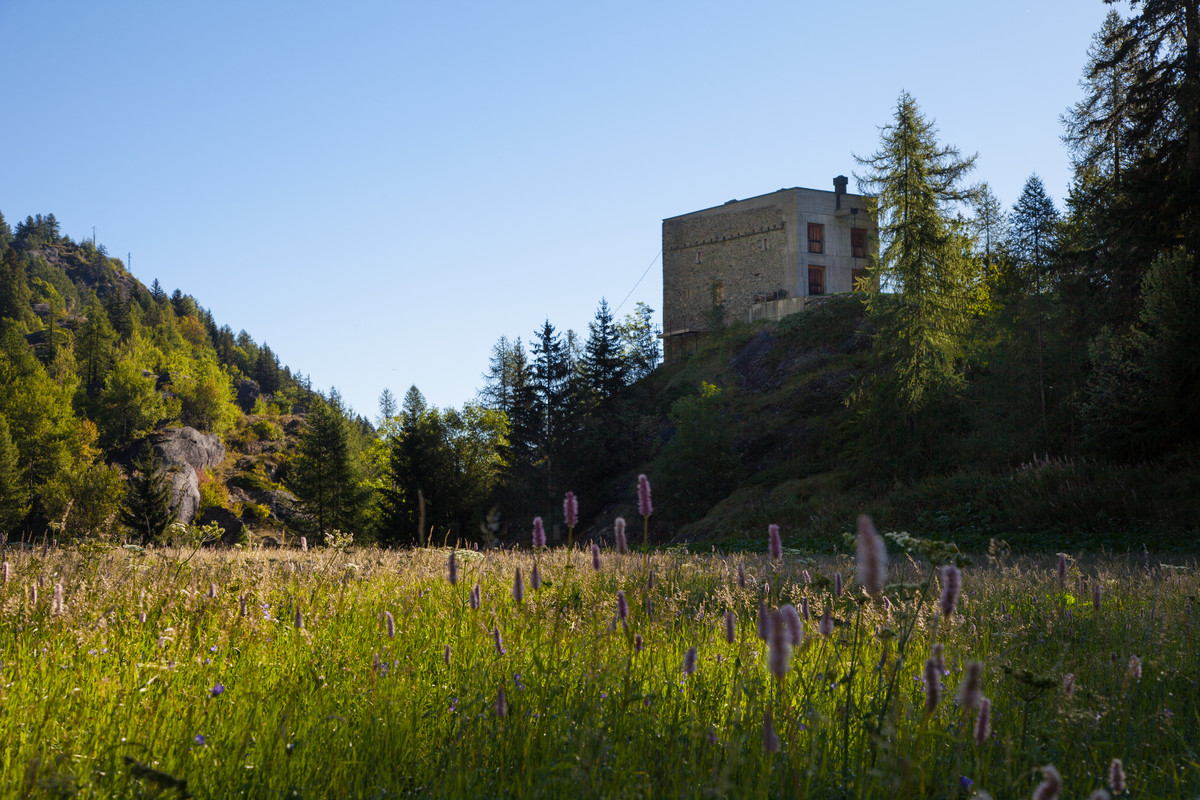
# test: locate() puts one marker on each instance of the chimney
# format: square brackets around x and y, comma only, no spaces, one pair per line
[839,188]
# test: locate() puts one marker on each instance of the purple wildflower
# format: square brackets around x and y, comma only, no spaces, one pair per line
[475,597]
[1050,786]
[241,605]
[518,590]
[780,644]
[535,577]
[689,662]
[571,509]
[969,691]
[794,625]
[595,557]
[1097,593]
[200,740]
[764,621]
[774,543]
[622,606]
[499,640]
[951,586]
[825,627]
[871,555]
[390,621]
[730,626]
[645,507]
[770,739]
[804,612]
[1116,776]
[637,643]
[539,533]
[501,704]
[622,542]
[939,657]
[299,620]
[933,685]
[217,690]
[446,655]
[837,584]
[1135,668]
[453,564]
[5,571]
[983,723]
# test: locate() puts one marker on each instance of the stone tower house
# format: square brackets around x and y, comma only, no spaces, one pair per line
[760,258]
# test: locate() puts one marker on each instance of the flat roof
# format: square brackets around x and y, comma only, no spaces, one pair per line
[759,196]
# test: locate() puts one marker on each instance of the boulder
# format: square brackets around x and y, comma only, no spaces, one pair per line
[177,446]
[283,505]
[185,491]
[184,452]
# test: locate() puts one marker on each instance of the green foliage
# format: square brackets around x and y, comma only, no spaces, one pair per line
[255,513]
[699,463]
[327,474]
[639,341]
[257,705]
[14,492]
[926,259]
[83,502]
[206,398]
[129,406]
[147,508]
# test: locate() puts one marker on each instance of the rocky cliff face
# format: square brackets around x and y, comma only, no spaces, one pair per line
[184,452]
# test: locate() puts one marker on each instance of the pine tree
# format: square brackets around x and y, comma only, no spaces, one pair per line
[326,475]
[604,370]
[147,509]
[94,348]
[1032,233]
[925,257]
[640,341]
[14,496]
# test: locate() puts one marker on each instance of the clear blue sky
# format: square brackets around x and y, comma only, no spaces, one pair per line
[380,190]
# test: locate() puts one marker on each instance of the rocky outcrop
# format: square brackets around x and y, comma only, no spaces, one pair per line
[283,505]
[183,453]
[248,393]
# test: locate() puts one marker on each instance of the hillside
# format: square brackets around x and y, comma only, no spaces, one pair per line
[776,438]
[101,372]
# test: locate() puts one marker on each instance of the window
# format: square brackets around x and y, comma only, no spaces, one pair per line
[816,280]
[816,237]
[858,242]
[859,281]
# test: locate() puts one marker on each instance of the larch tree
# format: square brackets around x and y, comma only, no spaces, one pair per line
[925,258]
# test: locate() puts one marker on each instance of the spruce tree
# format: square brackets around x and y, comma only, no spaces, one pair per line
[326,474]
[147,509]
[640,342]
[925,259]
[604,369]
[14,495]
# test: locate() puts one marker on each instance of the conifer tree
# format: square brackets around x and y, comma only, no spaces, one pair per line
[604,370]
[639,340]
[925,257]
[326,475]
[147,509]
[14,495]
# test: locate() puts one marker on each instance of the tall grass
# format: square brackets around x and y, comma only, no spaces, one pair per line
[199,699]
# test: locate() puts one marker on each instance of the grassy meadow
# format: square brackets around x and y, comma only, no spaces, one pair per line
[278,673]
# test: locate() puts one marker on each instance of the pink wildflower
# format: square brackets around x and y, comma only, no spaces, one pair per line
[837,584]
[951,586]
[871,555]
[595,557]
[518,590]
[1050,786]
[303,545]
[825,627]
[983,723]
[622,606]
[764,621]
[689,662]
[730,627]
[645,507]
[774,543]
[619,535]
[476,597]
[501,704]
[535,577]
[780,644]
[453,567]
[969,691]
[933,685]
[770,739]
[794,625]
[498,640]
[571,509]
[390,622]
[1116,776]
[539,533]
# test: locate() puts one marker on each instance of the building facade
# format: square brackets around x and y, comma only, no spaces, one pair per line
[759,258]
